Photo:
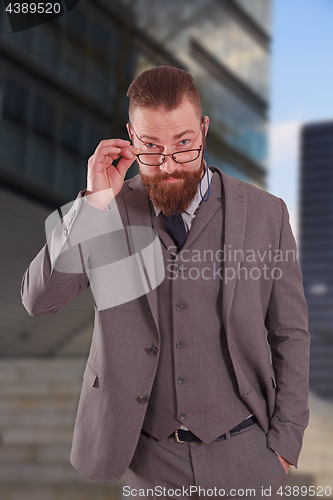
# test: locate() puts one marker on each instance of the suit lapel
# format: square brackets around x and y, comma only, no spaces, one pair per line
[158,225]
[234,232]
[137,206]
[206,211]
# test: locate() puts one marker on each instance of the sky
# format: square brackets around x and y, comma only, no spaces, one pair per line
[301,87]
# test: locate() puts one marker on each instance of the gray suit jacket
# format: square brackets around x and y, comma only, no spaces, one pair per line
[266,306]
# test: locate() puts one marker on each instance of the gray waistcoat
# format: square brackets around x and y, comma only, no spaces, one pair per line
[195,383]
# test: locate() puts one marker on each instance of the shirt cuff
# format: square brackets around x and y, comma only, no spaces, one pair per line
[106,208]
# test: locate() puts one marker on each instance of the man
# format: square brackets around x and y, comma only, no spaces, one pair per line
[199,385]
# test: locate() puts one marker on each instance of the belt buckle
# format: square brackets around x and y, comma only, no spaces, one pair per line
[177,437]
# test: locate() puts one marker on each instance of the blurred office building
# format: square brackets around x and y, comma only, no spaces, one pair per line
[62,90]
[317,249]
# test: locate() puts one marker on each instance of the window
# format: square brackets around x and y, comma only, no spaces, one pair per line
[72,63]
[101,35]
[67,175]
[42,161]
[43,117]
[93,138]
[12,146]
[97,80]
[46,46]
[15,102]
[79,23]
[72,133]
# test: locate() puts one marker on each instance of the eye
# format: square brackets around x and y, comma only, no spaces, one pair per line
[152,148]
[184,142]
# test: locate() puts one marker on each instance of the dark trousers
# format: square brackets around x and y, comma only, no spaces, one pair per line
[239,467]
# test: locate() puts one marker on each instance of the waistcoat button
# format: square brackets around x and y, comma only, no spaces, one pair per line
[142,399]
[179,307]
[180,344]
[181,380]
[153,351]
[183,416]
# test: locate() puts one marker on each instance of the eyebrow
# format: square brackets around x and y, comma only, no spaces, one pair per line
[177,136]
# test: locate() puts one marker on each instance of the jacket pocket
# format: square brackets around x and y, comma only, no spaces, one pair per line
[90,376]
[273,380]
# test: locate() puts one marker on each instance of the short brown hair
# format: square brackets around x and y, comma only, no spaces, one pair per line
[163,86]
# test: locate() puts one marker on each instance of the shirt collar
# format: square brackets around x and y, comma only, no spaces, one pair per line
[197,198]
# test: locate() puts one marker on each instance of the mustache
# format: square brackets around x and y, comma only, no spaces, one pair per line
[163,176]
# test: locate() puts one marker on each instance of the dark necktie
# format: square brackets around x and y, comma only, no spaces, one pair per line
[175,226]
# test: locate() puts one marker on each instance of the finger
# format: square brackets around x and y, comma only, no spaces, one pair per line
[128,154]
[119,143]
[107,150]
[135,150]
[100,163]
[124,164]
[130,151]
[106,156]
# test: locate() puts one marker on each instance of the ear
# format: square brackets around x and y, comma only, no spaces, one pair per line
[129,129]
[205,124]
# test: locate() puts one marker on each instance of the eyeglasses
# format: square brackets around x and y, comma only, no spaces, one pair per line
[157,159]
[154,160]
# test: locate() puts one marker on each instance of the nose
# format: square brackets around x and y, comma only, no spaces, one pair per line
[169,165]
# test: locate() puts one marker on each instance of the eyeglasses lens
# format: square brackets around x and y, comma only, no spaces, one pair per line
[180,157]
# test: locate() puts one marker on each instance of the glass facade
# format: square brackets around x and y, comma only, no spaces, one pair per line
[59,86]
[232,120]
[64,84]
[212,25]
[259,10]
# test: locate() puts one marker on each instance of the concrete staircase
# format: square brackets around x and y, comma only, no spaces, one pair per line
[38,403]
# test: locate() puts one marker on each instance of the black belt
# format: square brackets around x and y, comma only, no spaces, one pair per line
[182,436]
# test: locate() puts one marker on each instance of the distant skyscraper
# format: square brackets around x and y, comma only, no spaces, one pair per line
[316,245]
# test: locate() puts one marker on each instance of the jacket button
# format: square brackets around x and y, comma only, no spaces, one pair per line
[181,380]
[142,399]
[183,416]
[153,351]
[179,307]
[180,344]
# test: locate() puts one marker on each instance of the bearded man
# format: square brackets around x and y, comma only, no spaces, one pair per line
[199,386]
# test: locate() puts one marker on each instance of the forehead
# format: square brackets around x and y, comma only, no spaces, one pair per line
[160,122]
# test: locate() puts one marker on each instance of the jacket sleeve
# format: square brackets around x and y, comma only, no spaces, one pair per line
[289,339]
[58,274]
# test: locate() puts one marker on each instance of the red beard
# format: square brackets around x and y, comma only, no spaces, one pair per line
[172,198]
